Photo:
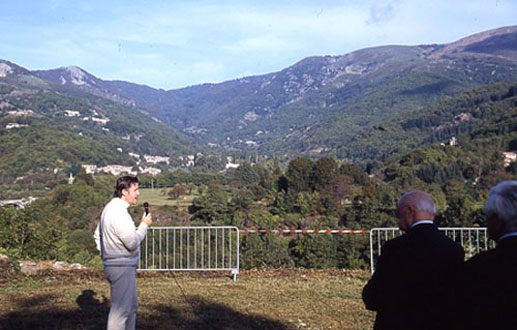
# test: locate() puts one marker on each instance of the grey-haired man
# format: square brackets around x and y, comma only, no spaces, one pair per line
[489,279]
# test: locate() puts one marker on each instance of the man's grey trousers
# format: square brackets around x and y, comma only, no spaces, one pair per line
[124,298]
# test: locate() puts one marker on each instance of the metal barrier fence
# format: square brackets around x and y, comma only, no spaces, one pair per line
[473,240]
[190,249]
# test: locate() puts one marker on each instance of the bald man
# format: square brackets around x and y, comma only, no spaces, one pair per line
[412,285]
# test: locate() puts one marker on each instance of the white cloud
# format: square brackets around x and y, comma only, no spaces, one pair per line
[380,12]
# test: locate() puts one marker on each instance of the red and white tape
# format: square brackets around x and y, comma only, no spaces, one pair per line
[320,231]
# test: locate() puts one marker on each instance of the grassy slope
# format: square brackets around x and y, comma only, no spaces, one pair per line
[260,299]
[155,198]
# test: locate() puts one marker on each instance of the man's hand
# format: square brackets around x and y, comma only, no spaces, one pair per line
[147,219]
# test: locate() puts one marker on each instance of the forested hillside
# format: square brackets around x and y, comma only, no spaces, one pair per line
[314,194]
[320,106]
[332,142]
[43,129]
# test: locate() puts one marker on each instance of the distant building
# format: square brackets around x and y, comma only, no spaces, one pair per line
[103,121]
[231,165]
[90,169]
[20,113]
[190,160]
[509,157]
[15,125]
[18,203]
[156,159]
[150,170]
[71,179]
[72,113]
[117,169]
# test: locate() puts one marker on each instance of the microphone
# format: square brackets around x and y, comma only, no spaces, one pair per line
[146,208]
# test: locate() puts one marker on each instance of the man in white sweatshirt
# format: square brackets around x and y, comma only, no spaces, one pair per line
[119,243]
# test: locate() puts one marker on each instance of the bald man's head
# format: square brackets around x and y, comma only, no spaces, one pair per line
[415,206]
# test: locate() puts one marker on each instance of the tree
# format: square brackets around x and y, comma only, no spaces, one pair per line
[190,187]
[266,250]
[84,177]
[209,163]
[307,203]
[245,174]
[299,175]
[176,191]
[80,246]
[76,204]
[242,199]
[355,173]
[339,189]
[212,206]
[201,189]
[315,251]
[26,231]
[324,170]
[460,206]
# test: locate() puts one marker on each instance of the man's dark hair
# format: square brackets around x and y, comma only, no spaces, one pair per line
[124,183]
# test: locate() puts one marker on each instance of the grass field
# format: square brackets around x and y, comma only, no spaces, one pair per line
[259,299]
[155,198]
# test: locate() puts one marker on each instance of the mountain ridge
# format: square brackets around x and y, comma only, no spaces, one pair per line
[47,129]
[320,105]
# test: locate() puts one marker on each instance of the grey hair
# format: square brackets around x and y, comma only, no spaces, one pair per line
[502,201]
[421,204]
[428,206]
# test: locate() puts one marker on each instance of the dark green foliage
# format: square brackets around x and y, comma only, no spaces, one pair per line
[209,164]
[23,232]
[352,251]
[266,250]
[315,251]
[324,171]
[211,206]
[55,140]
[246,174]
[309,194]
[80,246]
[58,226]
[359,176]
[299,175]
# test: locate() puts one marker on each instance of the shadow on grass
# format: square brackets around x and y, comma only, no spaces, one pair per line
[38,313]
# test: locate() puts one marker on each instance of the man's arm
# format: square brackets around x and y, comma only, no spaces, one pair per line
[131,237]
[97,236]
[376,293]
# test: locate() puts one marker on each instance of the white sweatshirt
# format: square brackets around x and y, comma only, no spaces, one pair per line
[116,236]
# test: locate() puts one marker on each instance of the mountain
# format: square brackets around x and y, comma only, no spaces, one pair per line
[47,127]
[350,107]
[483,123]
[73,76]
[321,104]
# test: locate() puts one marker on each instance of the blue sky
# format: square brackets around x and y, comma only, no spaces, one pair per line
[174,44]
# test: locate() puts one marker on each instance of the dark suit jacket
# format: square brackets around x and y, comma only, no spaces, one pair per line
[411,287]
[489,283]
